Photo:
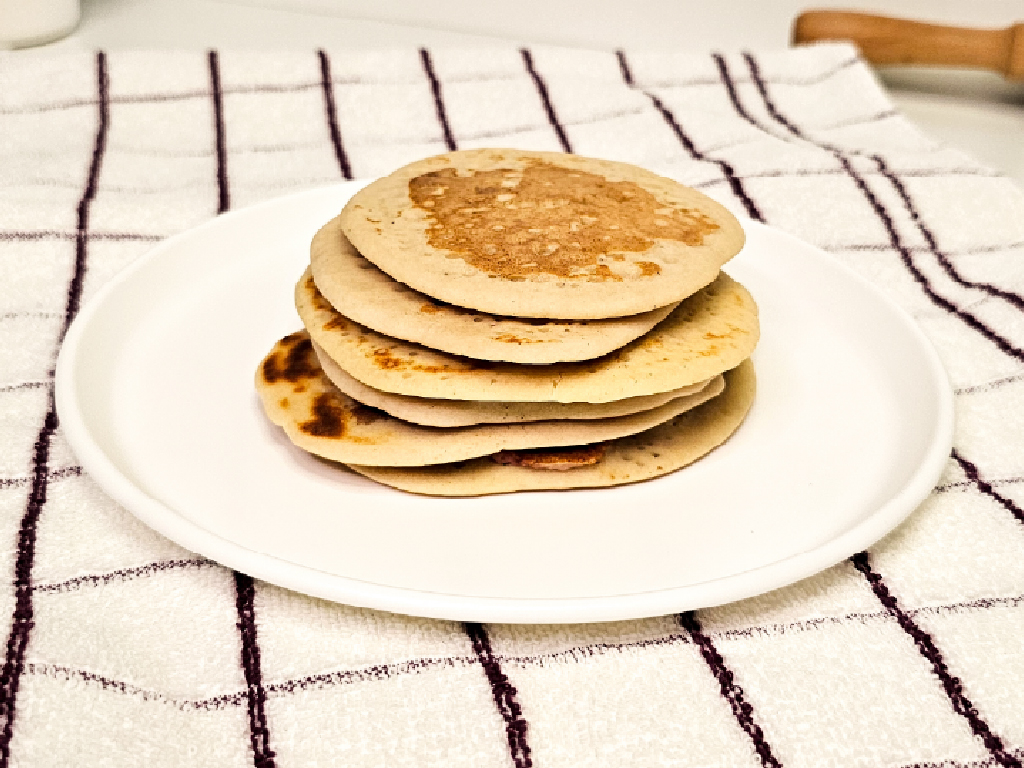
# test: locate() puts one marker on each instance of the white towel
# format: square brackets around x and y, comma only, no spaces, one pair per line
[125,650]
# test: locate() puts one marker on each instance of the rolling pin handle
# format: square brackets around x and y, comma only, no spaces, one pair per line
[1015,55]
[888,40]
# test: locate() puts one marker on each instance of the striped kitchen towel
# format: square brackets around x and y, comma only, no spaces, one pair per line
[124,650]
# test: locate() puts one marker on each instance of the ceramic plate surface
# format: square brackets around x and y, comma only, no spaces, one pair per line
[850,429]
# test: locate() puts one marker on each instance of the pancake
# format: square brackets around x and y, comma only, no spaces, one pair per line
[357,289]
[320,419]
[657,451]
[708,333]
[436,412]
[541,234]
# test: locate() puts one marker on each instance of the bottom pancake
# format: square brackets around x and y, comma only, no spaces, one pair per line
[657,451]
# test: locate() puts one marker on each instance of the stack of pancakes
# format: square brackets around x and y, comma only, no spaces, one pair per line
[492,320]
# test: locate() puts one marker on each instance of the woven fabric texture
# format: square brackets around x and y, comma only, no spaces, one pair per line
[123,649]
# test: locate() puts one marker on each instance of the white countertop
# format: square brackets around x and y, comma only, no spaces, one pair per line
[977,112]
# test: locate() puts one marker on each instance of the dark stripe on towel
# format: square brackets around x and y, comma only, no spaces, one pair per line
[223,194]
[735,184]
[23,618]
[245,587]
[1010,297]
[256,694]
[906,255]
[971,470]
[331,111]
[545,98]
[435,89]
[504,694]
[951,684]
[733,693]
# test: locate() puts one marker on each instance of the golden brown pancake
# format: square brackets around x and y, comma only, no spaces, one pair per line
[541,234]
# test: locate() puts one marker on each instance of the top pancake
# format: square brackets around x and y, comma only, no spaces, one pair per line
[541,234]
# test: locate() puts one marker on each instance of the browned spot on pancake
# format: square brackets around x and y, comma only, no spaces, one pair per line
[547,219]
[435,306]
[648,268]
[283,402]
[320,304]
[733,330]
[604,272]
[291,360]
[545,321]
[367,414]
[435,368]
[511,338]
[330,417]
[570,457]
[386,361]
[333,414]
[711,351]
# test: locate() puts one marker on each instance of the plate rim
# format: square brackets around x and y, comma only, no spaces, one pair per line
[344,589]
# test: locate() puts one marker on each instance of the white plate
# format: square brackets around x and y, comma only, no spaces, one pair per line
[850,429]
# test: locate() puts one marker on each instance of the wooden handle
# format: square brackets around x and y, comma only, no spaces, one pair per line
[885,40]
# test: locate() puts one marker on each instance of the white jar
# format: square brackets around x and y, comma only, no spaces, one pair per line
[24,23]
